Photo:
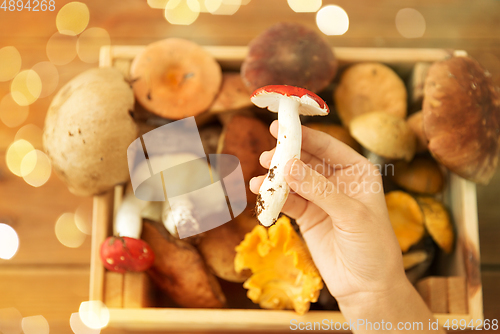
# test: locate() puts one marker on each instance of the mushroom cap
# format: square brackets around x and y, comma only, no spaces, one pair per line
[437,222]
[421,175]
[309,103]
[368,87]
[406,218]
[384,134]
[462,118]
[416,123]
[233,94]
[289,54]
[337,132]
[175,78]
[88,129]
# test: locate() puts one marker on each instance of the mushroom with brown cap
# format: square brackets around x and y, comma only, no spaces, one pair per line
[384,135]
[421,175]
[416,124]
[368,87]
[175,78]
[462,118]
[289,102]
[289,54]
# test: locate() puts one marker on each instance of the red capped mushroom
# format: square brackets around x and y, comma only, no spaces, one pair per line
[122,254]
[289,102]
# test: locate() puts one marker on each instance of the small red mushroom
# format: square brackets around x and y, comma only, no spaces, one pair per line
[122,254]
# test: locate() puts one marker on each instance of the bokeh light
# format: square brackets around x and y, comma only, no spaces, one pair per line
[94,314]
[9,243]
[72,18]
[83,217]
[36,168]
[26,87]
[15,155]
[78,327]
[67,232]
[11,62]
[10,321]
[410,23]
[332,20]
[222,7]
[305,6]
[35,325]
[61,49]
[195,4]
[90,42]
[11,113]
[158,4]
[178,12]
[31,133]
[48,75]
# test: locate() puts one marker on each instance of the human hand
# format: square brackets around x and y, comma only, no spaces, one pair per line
[337,199]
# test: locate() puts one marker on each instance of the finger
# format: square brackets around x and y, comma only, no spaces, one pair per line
[324,146]
[255,183]
[317,164]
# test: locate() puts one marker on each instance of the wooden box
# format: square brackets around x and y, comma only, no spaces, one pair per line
[460,197]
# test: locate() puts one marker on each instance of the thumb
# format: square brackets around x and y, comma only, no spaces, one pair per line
[316,188]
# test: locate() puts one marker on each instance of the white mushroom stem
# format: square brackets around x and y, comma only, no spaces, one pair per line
[178,214]
[128,221]
[274,190]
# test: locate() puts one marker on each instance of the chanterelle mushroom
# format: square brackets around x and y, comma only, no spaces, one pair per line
[289,102]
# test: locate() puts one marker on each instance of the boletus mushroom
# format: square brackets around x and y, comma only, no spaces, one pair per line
[289,54]
[289,102]
[175,78]
[421,175]
[337,132]
[462,118]
[88,129]
[368,87]
[416,124]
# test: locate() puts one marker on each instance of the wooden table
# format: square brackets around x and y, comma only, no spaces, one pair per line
[49,279]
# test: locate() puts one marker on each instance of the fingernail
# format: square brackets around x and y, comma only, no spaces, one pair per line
[298,172]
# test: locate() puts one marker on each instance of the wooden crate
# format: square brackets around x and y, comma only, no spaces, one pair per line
[460,196]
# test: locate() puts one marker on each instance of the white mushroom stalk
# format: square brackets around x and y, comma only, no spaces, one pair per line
[128,221]
[289,102]
[179,215]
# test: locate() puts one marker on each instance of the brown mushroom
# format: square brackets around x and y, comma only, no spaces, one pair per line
[289,54]
[406,218]
[462,118]
[337,132]
[416,124]
[368,87]
[421,175]
[175,78]
[233,94]
[416,85]
[385,135]
[437,222]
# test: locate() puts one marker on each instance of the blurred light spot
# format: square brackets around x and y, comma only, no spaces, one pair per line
[48,75]
[15,155]
[159,4]
[10,320]
[178,12]
[410,23]
[36,168]
[78,327]
[94,314]
[11,61]
[9,243]
[195,4]
[83,217]
[31,133]
[305,6]
[222,7]
[90,42]
[35,325]
[11,113]
[67,233]
[245,2]
[26,87]
[332,20]
[61,49]
[72,18]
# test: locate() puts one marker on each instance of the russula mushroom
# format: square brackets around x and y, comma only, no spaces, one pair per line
[289,54]
[416,124]
[462,118]
[337,132]
[283,273]
[175,78]
[88,129]
[368,87]
[406,218]
[384,135]
[421,175]
[180,271]
[125,251]
[289,102]
[437,222]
